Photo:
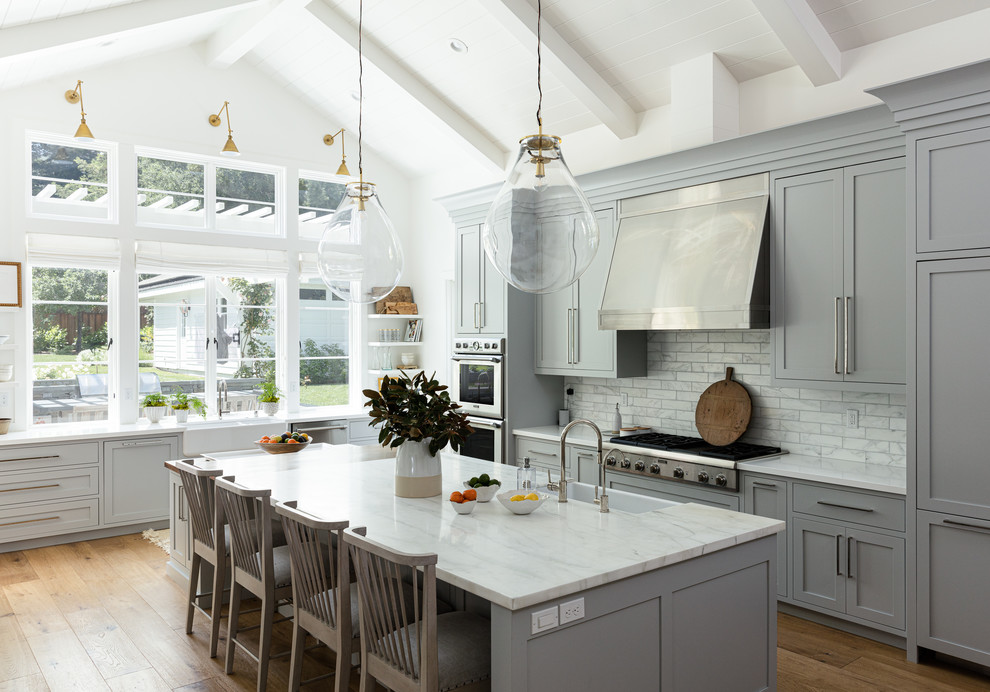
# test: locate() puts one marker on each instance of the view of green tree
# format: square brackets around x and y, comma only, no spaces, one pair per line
[255,323]
[170,177]
[70,287]
[246,185]
[320,194]
[68,163]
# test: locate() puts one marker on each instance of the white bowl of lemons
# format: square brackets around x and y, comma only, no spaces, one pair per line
[521,501]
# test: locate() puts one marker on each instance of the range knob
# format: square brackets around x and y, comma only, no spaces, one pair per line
[624,463]
[702,476]
[678,472]
[610,460]
[721,480]
[640,466]
[476,346]
[457,344]
[655,468]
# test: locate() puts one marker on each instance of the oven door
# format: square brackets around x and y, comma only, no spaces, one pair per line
[487,441]
[478,384]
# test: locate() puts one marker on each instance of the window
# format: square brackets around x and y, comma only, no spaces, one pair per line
[71,371]
[324,344]
[69,180]
[180,190]
[318,199]
[197,330]
[171,192]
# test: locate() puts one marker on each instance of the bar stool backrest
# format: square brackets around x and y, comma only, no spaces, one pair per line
[249,515]
[197,484]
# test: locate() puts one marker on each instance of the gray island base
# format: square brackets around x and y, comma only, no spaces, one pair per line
[681,598]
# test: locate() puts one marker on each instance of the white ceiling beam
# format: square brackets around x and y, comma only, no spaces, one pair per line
[579,77]
[236,38]
[799,29]
[412,85]
[26,39]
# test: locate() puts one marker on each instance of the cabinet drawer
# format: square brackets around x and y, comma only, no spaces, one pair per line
[540,453]
[849,506]
[39,456]
[48,519]
[46,486]
[359,432]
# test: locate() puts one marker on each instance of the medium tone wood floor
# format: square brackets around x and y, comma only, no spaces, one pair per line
[102,615]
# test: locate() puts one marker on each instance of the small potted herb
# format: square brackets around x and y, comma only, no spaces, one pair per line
[269,398]
[154,406]
[418,418]
[181,403]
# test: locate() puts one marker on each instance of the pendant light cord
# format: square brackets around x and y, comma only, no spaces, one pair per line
[539,63]
[360,90]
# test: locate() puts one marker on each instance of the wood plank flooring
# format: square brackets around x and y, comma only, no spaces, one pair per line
[102,615]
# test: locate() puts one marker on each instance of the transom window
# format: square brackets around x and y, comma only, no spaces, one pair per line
[69,180]
[318,200]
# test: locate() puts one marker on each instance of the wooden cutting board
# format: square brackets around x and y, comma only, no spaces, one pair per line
[723,411]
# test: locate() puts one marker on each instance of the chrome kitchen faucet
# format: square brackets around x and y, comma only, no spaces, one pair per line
[602,499]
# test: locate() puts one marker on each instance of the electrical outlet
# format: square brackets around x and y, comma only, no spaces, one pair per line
[625,398]
[4,399]
[571,611]
[544,620]
[852,418]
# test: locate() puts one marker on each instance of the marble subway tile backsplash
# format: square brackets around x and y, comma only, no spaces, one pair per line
[681,365]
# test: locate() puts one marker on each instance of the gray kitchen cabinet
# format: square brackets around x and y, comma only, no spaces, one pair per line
[568,341]
[850,571]
[953,400]
[135,480]
[767,497]
[951,191]
[180,536]
[584,463]
[953,608]
[838,278]
[674,491]
[480,289]
[543,456]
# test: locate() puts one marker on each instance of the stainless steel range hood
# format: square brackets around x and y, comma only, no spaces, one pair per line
[692,258]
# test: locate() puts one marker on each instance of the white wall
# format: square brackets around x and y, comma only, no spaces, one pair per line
[164,101]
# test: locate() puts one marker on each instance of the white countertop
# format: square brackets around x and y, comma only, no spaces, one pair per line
[513,561]
[853,474]
[99,430]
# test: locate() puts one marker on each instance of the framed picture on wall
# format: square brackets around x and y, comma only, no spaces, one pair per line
[10,284]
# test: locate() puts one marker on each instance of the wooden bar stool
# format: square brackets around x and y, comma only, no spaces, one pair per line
[322,599]
[207,524]
[413,649]
[256,565]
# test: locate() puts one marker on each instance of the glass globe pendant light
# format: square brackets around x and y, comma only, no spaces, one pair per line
[540,232]
[359,257]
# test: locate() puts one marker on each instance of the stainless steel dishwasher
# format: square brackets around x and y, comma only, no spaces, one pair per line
[332,432]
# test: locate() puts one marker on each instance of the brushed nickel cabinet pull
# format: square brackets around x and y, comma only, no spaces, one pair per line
[31,521]
[570,336]
[845,348]
[849,557]
[968,526]
[182,496]
[31,487]
[835,335]
[545,454]
[141,443]
[765,484]
[835,504]
[838,559]
[577,336]
[50,456]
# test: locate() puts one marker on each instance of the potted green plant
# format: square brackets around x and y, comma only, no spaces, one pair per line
[269,397]
[418,419]
[181,403]
[154,407]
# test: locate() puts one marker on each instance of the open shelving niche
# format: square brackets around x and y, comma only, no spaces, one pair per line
[394,344]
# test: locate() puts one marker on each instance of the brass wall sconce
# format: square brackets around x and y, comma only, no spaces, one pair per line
[229,149]
[83,132]
[328,140]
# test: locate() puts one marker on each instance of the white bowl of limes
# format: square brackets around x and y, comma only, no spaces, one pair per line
[521,501]
[485,491]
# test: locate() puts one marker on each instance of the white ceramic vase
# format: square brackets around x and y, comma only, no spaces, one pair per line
[154,414]
[417,473]
[181,415]
[269,408]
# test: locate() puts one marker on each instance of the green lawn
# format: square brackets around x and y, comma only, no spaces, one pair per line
[323,395]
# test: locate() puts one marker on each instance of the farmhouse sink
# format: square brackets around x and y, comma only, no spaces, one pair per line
[619,500]
[228,435]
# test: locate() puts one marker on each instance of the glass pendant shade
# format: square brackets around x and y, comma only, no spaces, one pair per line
[359,256]
[540,233]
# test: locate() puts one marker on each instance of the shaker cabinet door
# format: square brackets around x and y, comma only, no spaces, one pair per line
[767,497]
[468,280]
[819,564]
[875,577]
[135,480]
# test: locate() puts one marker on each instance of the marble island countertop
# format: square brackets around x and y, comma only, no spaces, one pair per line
[513,561]
[853,474]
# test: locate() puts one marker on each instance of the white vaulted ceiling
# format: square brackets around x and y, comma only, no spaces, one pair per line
[604,61]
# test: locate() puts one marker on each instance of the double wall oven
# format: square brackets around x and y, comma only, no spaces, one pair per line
[479,387]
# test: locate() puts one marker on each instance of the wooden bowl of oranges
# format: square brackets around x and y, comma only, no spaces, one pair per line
[464,502]
[286,443]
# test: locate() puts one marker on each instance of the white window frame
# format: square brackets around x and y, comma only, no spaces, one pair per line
[319,177]
[210,165]
[109,148]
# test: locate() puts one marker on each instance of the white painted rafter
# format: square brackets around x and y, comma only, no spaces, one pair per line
[412,85]
[26,39]
[233,41]
[580,78]
[799,29]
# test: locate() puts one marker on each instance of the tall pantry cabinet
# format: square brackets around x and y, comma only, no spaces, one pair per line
[946,118]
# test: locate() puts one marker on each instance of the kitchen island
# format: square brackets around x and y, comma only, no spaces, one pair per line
[681,598]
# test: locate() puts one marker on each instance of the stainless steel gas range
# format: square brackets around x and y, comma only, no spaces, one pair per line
[683,459]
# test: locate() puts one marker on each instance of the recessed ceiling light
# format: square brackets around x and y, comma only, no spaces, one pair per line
[457,45]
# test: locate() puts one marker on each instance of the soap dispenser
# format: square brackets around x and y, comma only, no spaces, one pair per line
[617,421]
[525,476]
